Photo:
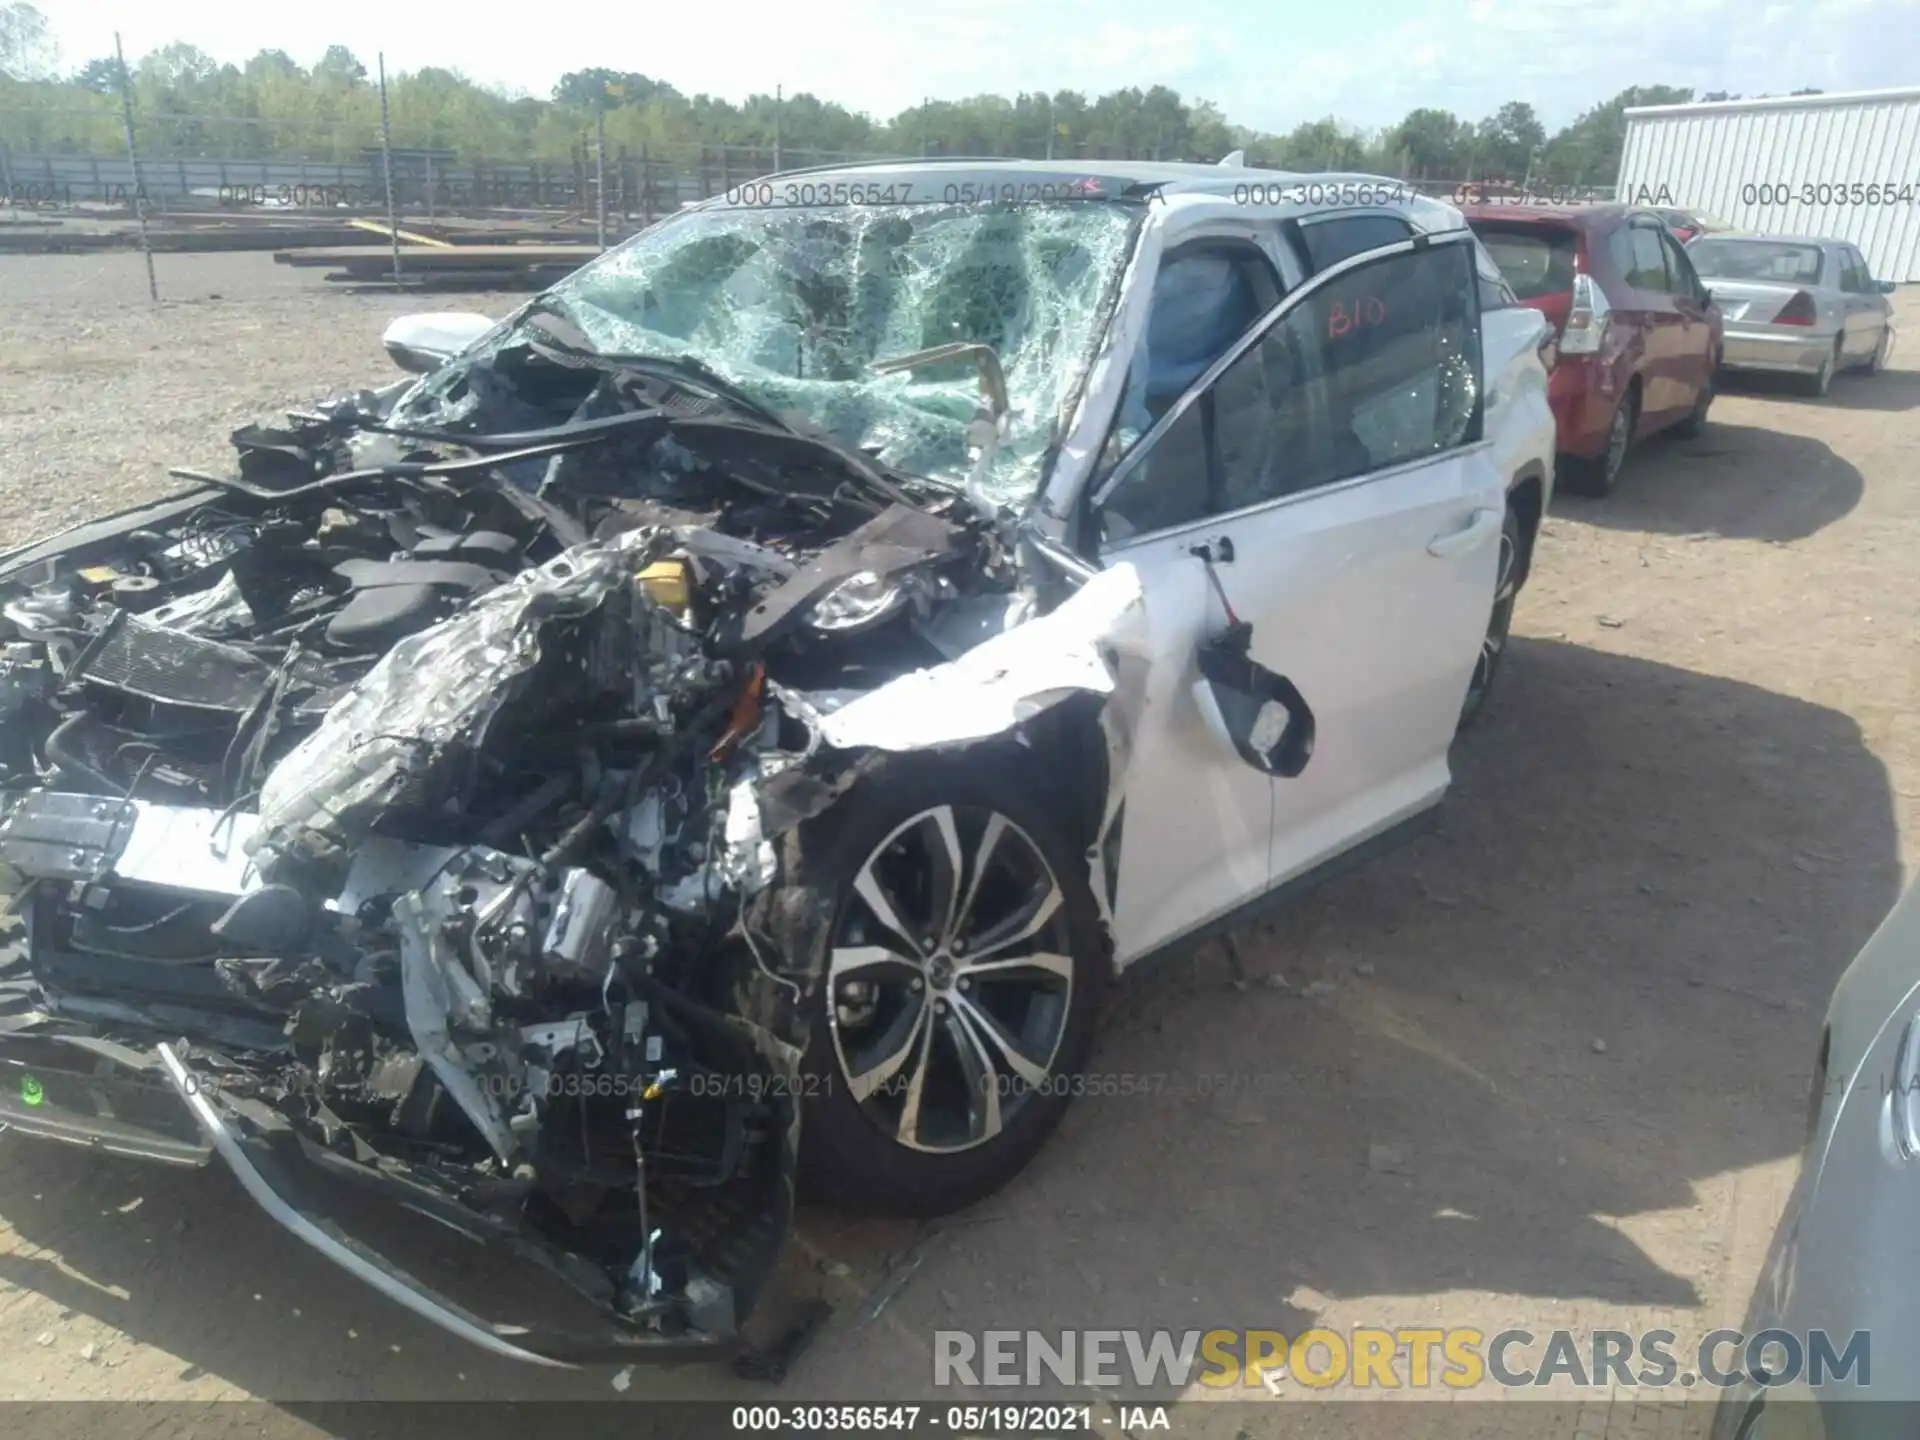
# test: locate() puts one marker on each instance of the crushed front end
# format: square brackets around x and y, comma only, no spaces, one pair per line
[390,815]
[395,833]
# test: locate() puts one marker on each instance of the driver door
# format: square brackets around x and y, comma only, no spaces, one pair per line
[1329,471]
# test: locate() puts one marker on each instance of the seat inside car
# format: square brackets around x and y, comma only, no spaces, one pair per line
[1203,300]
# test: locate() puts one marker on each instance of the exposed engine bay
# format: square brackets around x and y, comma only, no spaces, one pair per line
[397,799]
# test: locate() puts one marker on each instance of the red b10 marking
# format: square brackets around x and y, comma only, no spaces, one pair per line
[1367,311]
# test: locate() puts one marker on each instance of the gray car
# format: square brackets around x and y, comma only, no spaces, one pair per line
[1843,1261]
[1796,305]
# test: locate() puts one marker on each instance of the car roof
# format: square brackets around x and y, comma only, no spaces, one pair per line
[1163,178]
[1772,239]
[1183,174]
[1579,216]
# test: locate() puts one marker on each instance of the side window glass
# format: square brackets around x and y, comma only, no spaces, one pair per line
[1168,485]
[1649,260]
[1377,368]
[1620,252]
[1854,277]
[1331,241]
[1203,301]
[1680,268]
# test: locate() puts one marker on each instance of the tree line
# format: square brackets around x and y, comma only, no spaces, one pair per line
[272,107]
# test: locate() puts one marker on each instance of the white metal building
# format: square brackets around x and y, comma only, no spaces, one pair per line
[1845,166]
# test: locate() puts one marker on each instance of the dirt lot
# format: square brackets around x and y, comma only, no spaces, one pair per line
[1580,1017]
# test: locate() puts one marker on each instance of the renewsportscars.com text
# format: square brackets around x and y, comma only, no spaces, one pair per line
[1379,1358]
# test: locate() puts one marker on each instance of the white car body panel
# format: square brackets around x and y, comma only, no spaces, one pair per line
[1519,419]
[1371,594]
[417,342]
[1379,635]
[1198,820]
[1345,600]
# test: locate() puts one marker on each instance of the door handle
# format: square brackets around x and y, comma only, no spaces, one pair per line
[1467,536]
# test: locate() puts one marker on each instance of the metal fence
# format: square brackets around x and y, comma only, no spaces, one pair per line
[642,185]
[304,180]
[639,184]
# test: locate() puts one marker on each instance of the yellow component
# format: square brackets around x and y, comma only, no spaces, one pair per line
[409,236]
[99,574]
[667,583]
[652,1092]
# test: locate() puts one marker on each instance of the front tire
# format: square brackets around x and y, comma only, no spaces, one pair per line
[961,957]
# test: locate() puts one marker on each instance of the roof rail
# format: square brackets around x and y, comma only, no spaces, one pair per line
[905,160]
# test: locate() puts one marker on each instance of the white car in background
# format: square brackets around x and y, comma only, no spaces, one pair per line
[792,663]
[1804,307]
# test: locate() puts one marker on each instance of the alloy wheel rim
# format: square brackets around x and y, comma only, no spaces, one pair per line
[950,978]
[1500,620]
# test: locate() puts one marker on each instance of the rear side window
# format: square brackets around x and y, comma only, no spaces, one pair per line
[1680,271]
[1620,252]
[1778,260]
[1331,241]
[1536,260]
[1649,261]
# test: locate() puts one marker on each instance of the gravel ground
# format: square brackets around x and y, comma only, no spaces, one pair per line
[1543,1068]
[101,391]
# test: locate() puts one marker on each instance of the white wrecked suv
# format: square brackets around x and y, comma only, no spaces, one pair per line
[724,726]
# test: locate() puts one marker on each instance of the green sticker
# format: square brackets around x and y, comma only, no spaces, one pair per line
[30,1090]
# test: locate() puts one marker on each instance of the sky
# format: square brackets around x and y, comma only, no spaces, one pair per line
[1266,64]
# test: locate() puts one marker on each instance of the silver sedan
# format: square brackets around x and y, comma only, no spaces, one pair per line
[1799,306]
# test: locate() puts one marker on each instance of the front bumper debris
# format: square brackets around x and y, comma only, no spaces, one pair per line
[252,1164]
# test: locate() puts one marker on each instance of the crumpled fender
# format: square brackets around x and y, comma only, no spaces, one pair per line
[1006,680]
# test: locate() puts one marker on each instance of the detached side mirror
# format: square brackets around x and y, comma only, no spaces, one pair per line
[1258,714]
[422,343]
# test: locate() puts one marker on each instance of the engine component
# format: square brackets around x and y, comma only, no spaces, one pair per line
[481,547]
[898,538]
[398,598]
[175,667]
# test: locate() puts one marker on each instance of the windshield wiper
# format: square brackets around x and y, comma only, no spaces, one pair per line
[864,467]
[678,368]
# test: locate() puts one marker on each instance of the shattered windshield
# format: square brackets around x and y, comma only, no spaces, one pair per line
[794,306]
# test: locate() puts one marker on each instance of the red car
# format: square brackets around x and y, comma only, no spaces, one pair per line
[1640,337]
